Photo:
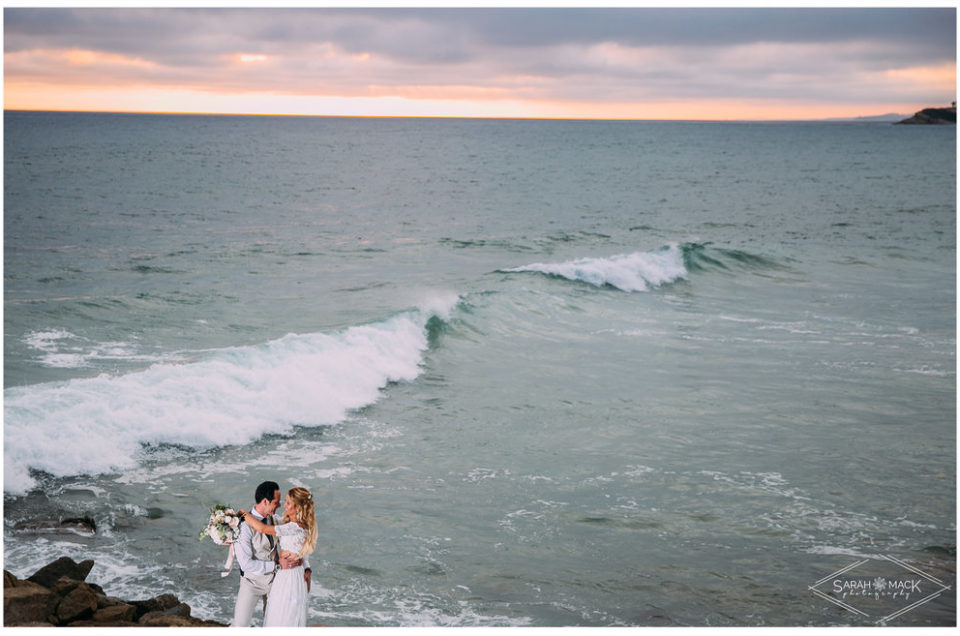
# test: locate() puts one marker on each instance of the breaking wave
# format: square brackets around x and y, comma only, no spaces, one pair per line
[639,271]
[643,271]
[231,396]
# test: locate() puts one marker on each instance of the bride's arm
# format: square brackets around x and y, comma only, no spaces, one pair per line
[258,525]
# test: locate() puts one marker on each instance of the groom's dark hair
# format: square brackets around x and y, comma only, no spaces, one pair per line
[266,490]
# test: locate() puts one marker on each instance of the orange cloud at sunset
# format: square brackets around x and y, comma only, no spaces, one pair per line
[943,77]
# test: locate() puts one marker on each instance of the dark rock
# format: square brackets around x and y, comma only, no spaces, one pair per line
[109,601]
[95,623]
[156,604]
[78,604]
[181,610]
[116,613]
[64,586]
[166,621]
[58,595]
[28,602]
[49,574]
[179,621]
[950,550]
[84,526]
[35,624]
[933,116]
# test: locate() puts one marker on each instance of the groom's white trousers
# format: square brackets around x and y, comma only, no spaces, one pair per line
[252,591]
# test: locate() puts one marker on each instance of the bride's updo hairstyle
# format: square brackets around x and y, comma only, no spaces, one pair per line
[303,504]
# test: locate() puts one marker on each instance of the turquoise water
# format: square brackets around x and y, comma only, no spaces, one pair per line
[537,372]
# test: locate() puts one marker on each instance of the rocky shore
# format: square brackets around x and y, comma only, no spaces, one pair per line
[933,116]
[57,595]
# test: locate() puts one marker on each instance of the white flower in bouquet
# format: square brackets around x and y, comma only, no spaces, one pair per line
[223,526]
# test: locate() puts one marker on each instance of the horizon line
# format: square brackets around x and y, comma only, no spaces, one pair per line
[491,117]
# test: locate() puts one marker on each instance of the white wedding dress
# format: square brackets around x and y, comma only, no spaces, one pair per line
[287,600]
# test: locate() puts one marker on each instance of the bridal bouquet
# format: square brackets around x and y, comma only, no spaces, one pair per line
[223,526]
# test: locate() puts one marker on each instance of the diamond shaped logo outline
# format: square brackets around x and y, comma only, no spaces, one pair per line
[903,610]
[926,599]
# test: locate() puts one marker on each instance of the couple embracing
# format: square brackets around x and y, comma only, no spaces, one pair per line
[272,551]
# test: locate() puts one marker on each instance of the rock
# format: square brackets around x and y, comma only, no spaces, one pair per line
[123,613]
[57,594]
[156,604]
[49,574]
[28,602]
[180,621]
[181,610]
[84,526]
[35,624]
[78,604]
[170,617]
[64,586]
[950,550]
[81,525]
[166,621]
[109,601]
[95,623]
[934,116]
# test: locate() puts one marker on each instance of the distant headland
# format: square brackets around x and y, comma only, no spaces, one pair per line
[934,116]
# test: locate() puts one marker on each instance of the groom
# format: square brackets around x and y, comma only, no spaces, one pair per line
[257,556]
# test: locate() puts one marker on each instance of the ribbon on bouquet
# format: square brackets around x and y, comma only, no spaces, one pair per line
[229,562]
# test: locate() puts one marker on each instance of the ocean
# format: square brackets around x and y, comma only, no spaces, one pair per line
[535,372]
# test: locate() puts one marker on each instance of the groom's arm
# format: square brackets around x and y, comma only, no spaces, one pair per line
[243,549]
[288,560]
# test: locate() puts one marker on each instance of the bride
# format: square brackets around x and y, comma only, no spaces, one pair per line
[287,601]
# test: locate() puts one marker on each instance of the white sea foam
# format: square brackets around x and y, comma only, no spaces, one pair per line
[831,550]
[62,349]
[233,396]
[46,340]
[639,271]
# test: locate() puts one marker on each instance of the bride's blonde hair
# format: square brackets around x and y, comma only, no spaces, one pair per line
[303,504]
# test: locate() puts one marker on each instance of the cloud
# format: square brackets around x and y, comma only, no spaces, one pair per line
[453,35]
[599,55]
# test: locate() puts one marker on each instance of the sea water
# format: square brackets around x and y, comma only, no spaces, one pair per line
[536,373]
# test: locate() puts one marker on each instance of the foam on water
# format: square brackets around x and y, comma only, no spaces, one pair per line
[62,349]
[232,396]
[635,272]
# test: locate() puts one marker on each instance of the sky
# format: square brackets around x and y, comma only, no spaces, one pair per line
[551,62]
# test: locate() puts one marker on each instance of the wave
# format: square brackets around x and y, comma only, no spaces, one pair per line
[639,271]
[231,396]
[700,257]
[643,271]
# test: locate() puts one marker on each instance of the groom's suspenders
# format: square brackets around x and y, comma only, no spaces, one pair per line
[238,560]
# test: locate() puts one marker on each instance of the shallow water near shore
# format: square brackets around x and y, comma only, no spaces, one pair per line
[537,373]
